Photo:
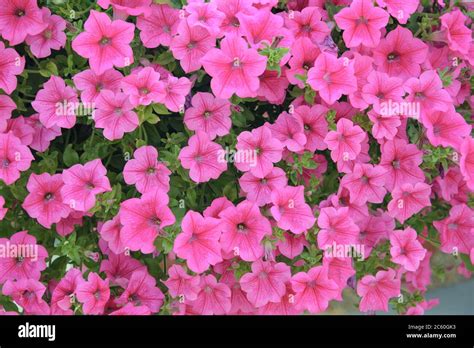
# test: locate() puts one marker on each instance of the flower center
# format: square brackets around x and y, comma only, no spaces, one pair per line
[207,114]
[307,127]
[150,171]
[49,196]
[453,226]
[48,34]
[191,45]
[362,20]
[396,164]
[104,41]
[392,56]
[5,163]
[89,186]
[118,112]
[241,228]
[20,12]
[144,91]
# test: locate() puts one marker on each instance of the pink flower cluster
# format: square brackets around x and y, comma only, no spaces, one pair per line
[274,250]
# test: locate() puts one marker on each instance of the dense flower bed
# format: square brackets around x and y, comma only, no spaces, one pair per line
[233,156]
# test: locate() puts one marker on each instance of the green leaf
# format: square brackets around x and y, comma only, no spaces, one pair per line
[70,156]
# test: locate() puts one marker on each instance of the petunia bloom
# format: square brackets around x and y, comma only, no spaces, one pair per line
[313,290]
[159,27]
[198,243]
[146,172]
[51,38]
[214,297]
[11,64]
[209,114]
[234,68]
[91,84]
[259,190]
[345,141]
[203,158]
[361,22]
[82,183]
[331,77]
[257,151]
[104,42]
[143,219]
[405,249]
[44,201]
[56,104]
[243,229]
[93,294]
[144,87]
[266,282]
[290,209]
[365,184]
[26,259]
[114,114]
[337,227]
[20,18]
[377,291]
[182,284]
[14,158]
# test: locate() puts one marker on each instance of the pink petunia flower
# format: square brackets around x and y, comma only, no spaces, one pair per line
[64,293]
[456,230]
[217,206]
[308,23]
[198,243]
[266,282]
[119,268]
[11,64]
[455,33]
[259,190]
[82,183]
[401,161]
[144,87]
[105,43]
[408,199]
[313,290]
[363,66]
[243,229]
[365,184]
[27,262]
[51,38]
[332,77]
[27,293]
[146,172]
[14,158]
[345,141]
[406,250]
[337,227]
[376,291]
[314,124]
[381,90]
[231,9]
[182,284]
[20,18]
[42,136]
[340,269]
[143,219]
[290,209]
[401,10]
[399,54]
[258,150]
[205,15]
[214,297]
[292,245]
[44,201]
[290,131]
[175,91]
[234,68]
[90,84]
[110,232]
[428,92]
[273,86]
[191,44]
[93,294]
[159,27]
[21,129]
[114,114]
[384,127]
[56,104]
[203,158]
[446,128]
[466,162]
[142,291]
[124,8]
[304,54]
[209,114]
[361,22]
[261,27]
